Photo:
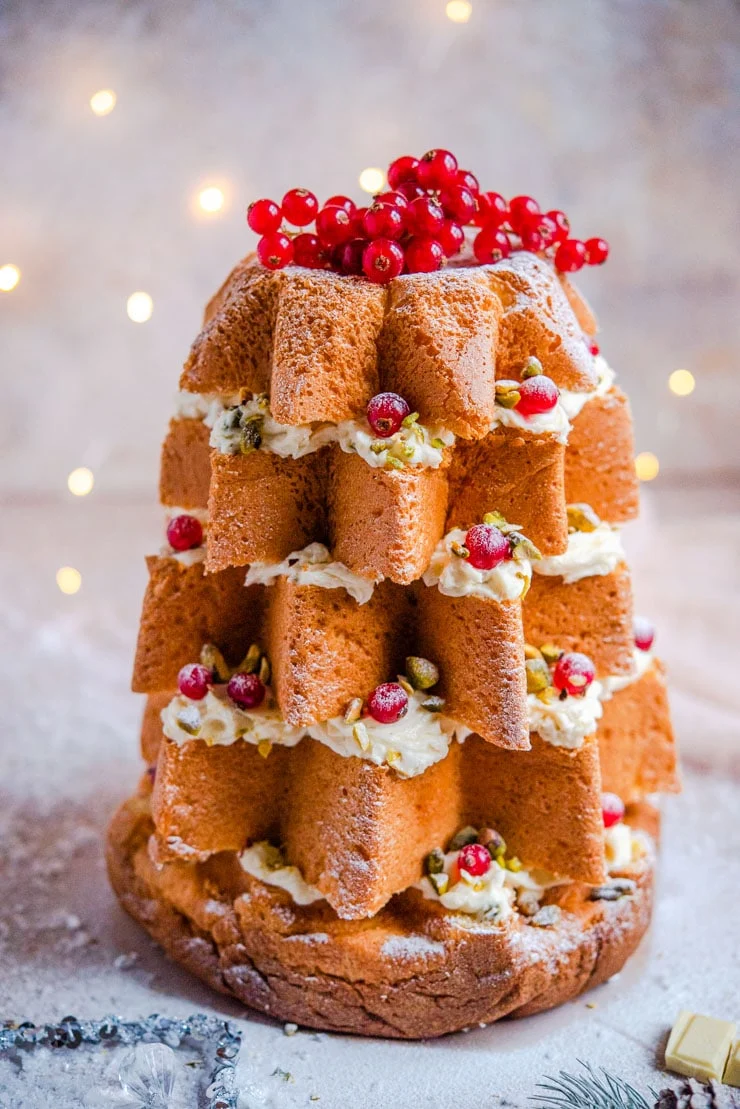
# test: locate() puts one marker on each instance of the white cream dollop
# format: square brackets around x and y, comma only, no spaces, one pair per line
[313,566]
[195,554]
[573,402]
[410,746]
[566,723]
[589,553]
[455,577]
[642,661]
[217,720]
[259,861]
[623,846]
[555,422]
[415,445]
[491,895]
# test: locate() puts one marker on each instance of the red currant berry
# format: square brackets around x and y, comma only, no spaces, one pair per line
[264,216]
[644,633]
[246,691]
[300,207]
[334,225]
[491,245]
[423,255]
[410,190]
[612,809]
[469,180]
[425,217]
[458,203]
[520,208]
[570,256]
[403,170]
[542,225]
[597,251]
[487,546]
[275,250]
[382,260]
[388,703]
[562,224]
[395,198]
[451,237]
[383,221]
[532,240]
[350,257]
[492,210]
[184,532]
[194,681]
[308,251]
[537,394]
[341,202]
[437,169]
[593,347]
[474,859]
[573,672]
[358,228]
[385,414]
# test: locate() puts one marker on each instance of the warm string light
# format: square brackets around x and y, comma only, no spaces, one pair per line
[682,383]
[459,11]
[69,580]
[372,180]
[647,466]
[139,307]
[103,102]
[80,482]
[10,275]
[211,199]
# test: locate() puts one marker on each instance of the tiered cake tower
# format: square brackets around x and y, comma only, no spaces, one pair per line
[402,737]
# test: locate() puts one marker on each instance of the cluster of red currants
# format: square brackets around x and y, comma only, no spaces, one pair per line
[415,226]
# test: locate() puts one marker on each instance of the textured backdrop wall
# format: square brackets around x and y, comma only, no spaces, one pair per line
[625,112]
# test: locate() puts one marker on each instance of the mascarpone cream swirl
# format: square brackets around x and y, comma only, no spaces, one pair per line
[642,661]
[455,577]
[589,553]
[415,445]
[491,895]
[566,723]
[312,566]
[263,861]
[217,720]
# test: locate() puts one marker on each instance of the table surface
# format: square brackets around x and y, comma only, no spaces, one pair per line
[69,755]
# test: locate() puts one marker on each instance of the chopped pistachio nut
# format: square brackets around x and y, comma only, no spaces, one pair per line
[434,863]
[438,444]
[440,882]
[264,747]
[459,550]
[394,463]
[211,657]
[189,720]
[499,520]
[528,902]
[533,368]
[466,835]
[581,517]
[523,549]
[547,696]
[531,652]
[251,436]
[360,736]
[433,703]
[538,675]
[507,394]
[410,420]
[392,757]
[251,661]
[378,446]
[264,670]
[550,653]
[421,672]
[620,887]
[273,857]
[546,917]
[353,711]
[494,841]
[514,864]
[405,684]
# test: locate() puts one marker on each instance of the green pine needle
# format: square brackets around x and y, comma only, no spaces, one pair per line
[588,1091]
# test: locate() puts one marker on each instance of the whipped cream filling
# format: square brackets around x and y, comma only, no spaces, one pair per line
[312,566]
[491,895]
[410,746]
[217,720]
[642,661]
[573,403]
[566,723]
[589,553]
[414,445]
[264,861]
[195,554]
[555,422]
[455,577]
[623,846]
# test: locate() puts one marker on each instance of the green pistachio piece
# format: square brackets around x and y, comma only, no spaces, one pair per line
[264,670]
[440,882]
[264,747]
[533,368]
[189,720]
[459,550]
[360,736]
[353,711]
[378,446]
[581,517]
[434,863]
[550,653]
[514,864]
[421,672]
[410,420]
[394,463]
[438,444]
[538,675]
[251,436]
[531,652]
[273,857]
[405,684]
[433,704]
[523,549]
[251,661]
[507,394]
[494,841]
[466,835]
[211,657]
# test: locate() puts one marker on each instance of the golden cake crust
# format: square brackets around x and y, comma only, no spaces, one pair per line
[412,972]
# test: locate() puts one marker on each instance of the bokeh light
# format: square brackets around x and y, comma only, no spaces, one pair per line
[10,275]
[211,199]
[139,307]
[647,466]
[459,11]
[372,180]
[69,580]
[103,102]
[81,481]
[682,383]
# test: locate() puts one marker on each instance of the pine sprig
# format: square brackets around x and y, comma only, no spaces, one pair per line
[588,1091]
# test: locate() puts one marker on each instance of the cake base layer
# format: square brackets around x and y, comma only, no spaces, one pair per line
[413,971]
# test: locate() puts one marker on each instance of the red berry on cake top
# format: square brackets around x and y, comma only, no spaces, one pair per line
[487,546]
[275,250]
[388,703]
[264,216]
[300,207]
[194,681]
[246,690]
[386,413]
[612,809]
[536,395]
[184,532]
[474,859]
[644,633]
[573,673]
